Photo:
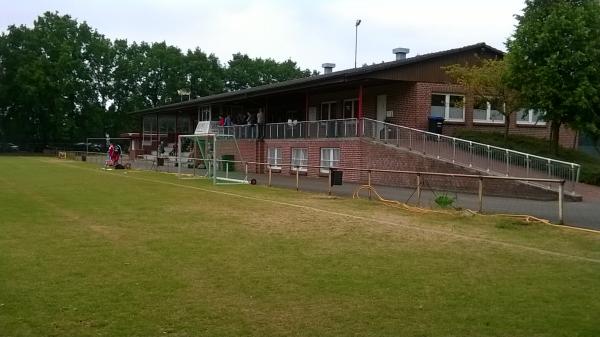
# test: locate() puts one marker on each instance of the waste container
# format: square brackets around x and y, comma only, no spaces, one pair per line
[227,163]
[435,124]
[336,176]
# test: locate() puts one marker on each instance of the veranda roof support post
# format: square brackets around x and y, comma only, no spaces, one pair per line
[360,112]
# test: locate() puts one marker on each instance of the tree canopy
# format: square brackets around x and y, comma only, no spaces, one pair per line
[62,81]
[554,61]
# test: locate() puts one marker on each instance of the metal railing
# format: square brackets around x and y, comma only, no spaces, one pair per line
[333,128]
[478,156]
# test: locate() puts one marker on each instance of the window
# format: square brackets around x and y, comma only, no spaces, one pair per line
[274,158]
[327,110]
[487,112]
[530,117]
[450,107]
[299,159]
[330,157]
[350,107]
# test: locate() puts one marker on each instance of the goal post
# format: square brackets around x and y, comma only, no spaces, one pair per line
[210,153]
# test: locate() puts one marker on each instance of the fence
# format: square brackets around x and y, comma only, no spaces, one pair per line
[333,128]
[481,157]
[242,170]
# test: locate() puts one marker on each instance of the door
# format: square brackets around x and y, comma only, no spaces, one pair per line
[381,109]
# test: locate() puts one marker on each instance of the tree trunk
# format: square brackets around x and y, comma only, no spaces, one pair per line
[554,136]
[506,128]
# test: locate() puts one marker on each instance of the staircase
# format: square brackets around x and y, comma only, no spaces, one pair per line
[480,157]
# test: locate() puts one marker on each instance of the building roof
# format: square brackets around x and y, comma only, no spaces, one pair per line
[331,78]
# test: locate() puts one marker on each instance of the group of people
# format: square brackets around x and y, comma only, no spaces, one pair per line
[250,119]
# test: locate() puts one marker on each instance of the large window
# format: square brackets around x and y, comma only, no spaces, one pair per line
[299,159]
[330,157]
[488,112]
[450,107]
[274,158]
[530,117]
[327,110]
[350,107]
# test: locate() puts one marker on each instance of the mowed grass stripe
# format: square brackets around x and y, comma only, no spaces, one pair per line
[168,260]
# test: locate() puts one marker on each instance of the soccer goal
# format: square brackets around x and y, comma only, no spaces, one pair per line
[210,153]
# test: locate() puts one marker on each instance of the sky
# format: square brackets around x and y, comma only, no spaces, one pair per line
[309,32]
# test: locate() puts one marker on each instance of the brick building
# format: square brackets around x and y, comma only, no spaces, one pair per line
[323,120]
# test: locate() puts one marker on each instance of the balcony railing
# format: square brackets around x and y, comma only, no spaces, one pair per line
[482,157]
[333,128]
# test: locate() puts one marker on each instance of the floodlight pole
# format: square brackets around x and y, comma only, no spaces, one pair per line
[356,40]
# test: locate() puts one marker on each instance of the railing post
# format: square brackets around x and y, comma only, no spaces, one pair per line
[297,178]
[507,162]
[246,170]
[397,136]
[470,154]
[527,164]
[438,146]
[560,202]
[489,155]
[418,189]
[410,140]
[453,150]
[424,143]
[480,194]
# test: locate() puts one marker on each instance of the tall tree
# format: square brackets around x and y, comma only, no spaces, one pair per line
[489,83]
[244,72]
[554,61]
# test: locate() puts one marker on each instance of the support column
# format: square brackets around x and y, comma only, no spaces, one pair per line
[360,116]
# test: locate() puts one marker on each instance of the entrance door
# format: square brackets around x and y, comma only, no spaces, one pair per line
[381,109]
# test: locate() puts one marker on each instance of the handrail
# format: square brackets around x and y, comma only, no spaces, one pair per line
[471,142]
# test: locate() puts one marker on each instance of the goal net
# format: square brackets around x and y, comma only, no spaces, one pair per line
[212,154]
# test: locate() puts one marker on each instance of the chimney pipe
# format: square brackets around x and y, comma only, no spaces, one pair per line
[328,67]
[400,53]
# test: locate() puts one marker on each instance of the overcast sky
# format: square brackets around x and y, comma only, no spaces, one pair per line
[308,31]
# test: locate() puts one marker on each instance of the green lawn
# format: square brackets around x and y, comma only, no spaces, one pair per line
[87,252]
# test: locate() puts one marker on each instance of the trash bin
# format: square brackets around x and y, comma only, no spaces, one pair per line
[227,163]
[336,176]
[435,124]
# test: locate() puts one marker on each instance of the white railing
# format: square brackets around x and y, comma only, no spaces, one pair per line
[333,128]
[481,157]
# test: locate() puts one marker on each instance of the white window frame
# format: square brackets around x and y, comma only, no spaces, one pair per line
[330,161]
[330,112]
[447,106]
[301,163]
[274,158]
[530,118]
[488,116]
[354,102]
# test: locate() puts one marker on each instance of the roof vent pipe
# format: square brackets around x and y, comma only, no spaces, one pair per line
[400,53]
[328,67]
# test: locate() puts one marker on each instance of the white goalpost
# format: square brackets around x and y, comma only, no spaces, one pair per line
[210,153]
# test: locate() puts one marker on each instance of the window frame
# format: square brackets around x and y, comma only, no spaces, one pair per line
[447,106]
[303,166]
[530,120]
[331,160]
[276,161]
[331,111]
[354,105]
[488,115]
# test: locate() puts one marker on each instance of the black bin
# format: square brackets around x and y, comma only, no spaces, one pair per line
[435,125]
[336,176]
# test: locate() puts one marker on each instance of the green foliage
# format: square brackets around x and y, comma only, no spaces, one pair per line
[554,61]
[489,82]
[590,165]
[62,81]
[444,200]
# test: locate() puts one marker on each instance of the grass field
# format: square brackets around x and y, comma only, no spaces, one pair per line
[87,252]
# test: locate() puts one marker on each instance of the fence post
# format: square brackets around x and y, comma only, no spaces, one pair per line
[418,189]
[489,163]
[480,194]
[369,184]
[246,170]
[438,146]
[453,150]
[572,178]
[329,182]
[470,154]
[560,201]
[527,164]
[297,178]
[269,176]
